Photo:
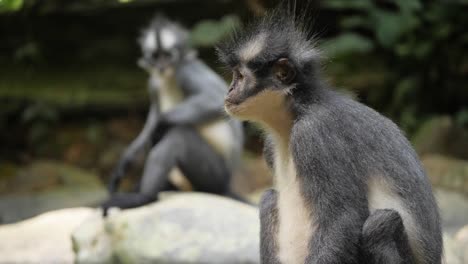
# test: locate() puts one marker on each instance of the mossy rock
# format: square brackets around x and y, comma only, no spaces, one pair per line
[440,135]
[45,186]
[446,172]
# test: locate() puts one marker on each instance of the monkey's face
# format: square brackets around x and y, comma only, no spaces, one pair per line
[159,55]
[259,89]
[163,46]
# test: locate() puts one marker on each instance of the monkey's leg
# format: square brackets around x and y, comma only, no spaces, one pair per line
[269,227]
[202,165]
[161,159]
[136,148]
[384,239]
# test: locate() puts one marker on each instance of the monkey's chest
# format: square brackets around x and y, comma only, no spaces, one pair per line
[295,225]
[170,95]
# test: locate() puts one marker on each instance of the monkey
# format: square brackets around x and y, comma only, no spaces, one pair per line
[348,186]
[193,144]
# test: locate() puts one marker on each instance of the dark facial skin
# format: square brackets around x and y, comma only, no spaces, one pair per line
[246,82]
[159,60]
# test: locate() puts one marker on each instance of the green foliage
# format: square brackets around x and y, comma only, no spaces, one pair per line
[39,117]
[462,118]
[419,44]
[10,5]
[347,43]
[208,32]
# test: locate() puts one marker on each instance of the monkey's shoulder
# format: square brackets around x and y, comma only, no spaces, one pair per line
[341,127]
[341,115]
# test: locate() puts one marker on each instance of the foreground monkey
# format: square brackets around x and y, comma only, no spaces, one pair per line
[192,142]
[349,188]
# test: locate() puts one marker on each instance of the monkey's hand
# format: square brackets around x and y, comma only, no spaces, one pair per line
[117,174]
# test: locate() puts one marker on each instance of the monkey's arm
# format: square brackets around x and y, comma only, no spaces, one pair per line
[337,196]
[269,227]
[205,90]
[138,146]
[268,152]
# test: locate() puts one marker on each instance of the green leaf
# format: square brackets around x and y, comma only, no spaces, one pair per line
[389,26]
[208,32]
[461,117]
[347,4]
[409,5]
[347,43]
[403,91]
[10,5]
[355,21]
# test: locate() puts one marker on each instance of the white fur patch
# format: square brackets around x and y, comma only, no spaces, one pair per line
[253,48]
[150,42]
[295,225]
[381,196]
[259,108]
[170,93]
[168,39]
[295,217]
[178,179]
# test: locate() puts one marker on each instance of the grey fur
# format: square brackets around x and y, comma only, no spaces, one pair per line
[338,146]
[173,136]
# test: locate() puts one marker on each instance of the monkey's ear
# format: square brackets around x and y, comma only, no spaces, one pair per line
[284,70]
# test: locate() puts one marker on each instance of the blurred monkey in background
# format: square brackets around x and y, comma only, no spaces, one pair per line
[191,141]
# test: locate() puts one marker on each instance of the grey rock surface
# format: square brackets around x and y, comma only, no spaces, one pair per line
[42,239]
[453,210]
[181,228]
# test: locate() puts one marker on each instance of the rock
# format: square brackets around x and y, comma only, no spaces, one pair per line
[453,210]
[45,186]
[440,135]
[452,251]
[446,172]
[461,238]
[42,239]
[182,228]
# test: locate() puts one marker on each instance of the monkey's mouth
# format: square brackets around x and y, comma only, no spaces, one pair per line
[232,96]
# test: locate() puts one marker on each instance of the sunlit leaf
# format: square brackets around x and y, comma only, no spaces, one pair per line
[10,5]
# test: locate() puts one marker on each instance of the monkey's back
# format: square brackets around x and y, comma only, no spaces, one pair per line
[380,160]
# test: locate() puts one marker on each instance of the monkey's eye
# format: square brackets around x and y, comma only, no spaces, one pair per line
[237,75]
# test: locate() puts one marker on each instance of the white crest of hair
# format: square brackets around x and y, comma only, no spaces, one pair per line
[253,47]
[149,42]
[304,50]
[168,38]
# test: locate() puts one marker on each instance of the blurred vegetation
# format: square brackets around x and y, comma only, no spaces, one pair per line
[408,59]
[67,65]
